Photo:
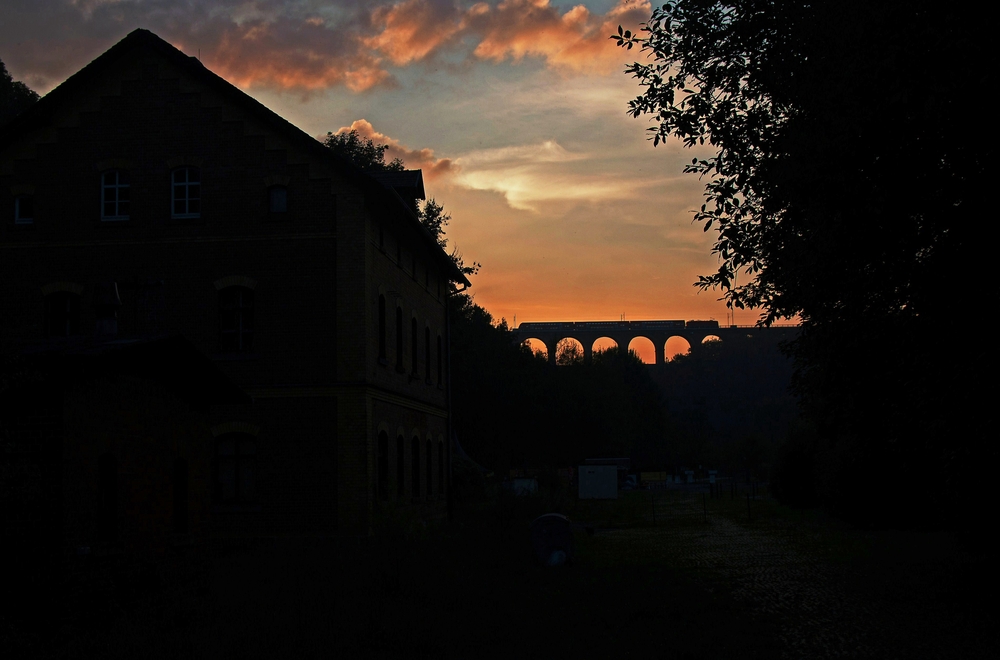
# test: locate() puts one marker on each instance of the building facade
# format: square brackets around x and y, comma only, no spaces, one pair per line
[146,196]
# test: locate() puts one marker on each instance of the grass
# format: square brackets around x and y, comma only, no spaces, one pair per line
[471,589]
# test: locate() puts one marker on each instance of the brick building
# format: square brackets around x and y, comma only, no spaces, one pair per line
[147,197]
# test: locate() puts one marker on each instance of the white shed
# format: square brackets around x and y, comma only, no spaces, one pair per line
[598,482]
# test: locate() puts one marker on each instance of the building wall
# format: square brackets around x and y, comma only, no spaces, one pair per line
[145,429]
[316,272]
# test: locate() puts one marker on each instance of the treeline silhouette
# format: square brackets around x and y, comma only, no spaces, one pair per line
[724,406]
[850,187]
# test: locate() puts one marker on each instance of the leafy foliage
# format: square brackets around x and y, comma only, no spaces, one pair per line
[15,96]
[512,409]
[433,217]
[847,187]
[361,151]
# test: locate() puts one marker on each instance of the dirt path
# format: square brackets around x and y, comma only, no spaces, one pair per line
[902,601]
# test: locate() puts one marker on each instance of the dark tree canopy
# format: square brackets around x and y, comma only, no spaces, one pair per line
[433,217]
[368,155]
[361,151]
[15,96]
[848,187]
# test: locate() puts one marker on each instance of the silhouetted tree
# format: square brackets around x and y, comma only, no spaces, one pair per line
[846,192]
[15,96]
[568,352]
[433,217]
[361,151]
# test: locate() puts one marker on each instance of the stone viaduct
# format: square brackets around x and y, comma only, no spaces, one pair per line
[658,332]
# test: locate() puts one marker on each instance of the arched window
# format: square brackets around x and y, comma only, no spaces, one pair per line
[381,328]
[62,314]
[107,493]
[415,465]
[439,359]
[180,485]
[186,197]
[399,340]
[383,466]
[413,347]
[441,467]
[115,195]
[427,355]
[430,467]
[400,467]
[235,468]
[277,199]
[236,319]
[24,210]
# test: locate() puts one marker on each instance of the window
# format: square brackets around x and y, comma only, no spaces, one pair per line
[427,355]
[383,466]
[277,199]
[106,305]
[439,359]
[235,465]
[399,340]
[400,467]
[180,484]
[415,465]
[107,493]
[430,467]
[186,184]
[413,347]
[115,196]
[236,319]
[440,467]
[381,329]
[62,314]
[24,210]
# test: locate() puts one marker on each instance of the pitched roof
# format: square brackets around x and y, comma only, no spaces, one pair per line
[41,113]
[409,183]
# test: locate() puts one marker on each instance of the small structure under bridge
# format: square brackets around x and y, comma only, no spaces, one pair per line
[658,332]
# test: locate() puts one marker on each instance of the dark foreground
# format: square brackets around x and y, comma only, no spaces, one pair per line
[780,584]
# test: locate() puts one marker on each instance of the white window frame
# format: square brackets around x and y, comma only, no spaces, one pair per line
[18,219]
[185,188]
[117,186]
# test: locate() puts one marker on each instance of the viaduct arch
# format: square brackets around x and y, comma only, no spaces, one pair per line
[623,332]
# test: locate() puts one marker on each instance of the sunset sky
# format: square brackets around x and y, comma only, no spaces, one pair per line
[515,111]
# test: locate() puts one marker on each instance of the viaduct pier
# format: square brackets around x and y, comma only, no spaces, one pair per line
[658,332]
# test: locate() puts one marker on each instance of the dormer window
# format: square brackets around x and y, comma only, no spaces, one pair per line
[186,184]
[115,195]
[277,199]
[24,210]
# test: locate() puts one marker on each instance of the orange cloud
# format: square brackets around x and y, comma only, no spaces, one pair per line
[577,40]
[422,159]
[287,56]
[314,46]
[412,30]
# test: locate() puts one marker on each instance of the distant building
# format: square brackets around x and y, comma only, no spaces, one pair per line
[148,198]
